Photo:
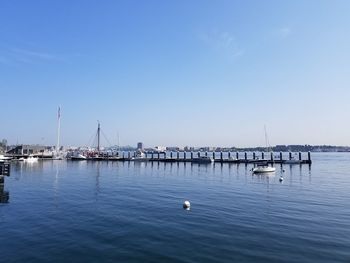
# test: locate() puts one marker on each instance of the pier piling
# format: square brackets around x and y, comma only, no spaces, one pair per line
[309,157]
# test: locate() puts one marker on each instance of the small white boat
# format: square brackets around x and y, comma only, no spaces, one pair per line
[203,159]
[31,159]
[78,157]
[140,157]
[4,158]
[264,168]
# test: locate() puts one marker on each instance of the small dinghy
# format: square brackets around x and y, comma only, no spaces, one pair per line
[264,168]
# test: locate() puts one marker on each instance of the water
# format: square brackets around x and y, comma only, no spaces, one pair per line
[62,211]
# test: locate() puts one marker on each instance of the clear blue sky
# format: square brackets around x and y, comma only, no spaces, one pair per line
[176,72]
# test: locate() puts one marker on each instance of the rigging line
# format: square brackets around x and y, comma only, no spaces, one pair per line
[92,138]
[94,143]
[103,134]
[268,146]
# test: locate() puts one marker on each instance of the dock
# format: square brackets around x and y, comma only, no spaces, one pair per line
[4,171]
[218,157]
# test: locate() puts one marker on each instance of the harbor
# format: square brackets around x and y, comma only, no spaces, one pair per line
[99,153]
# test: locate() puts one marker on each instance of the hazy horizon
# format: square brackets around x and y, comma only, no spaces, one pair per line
[196,73]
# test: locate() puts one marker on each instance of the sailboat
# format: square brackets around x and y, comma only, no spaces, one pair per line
[264,167]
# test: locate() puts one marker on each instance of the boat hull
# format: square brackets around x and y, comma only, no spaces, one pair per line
[205,160]
[264,170]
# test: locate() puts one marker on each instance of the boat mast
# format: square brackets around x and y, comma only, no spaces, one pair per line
[265,137]
[118,141]
[268,147]
[58,129]
[98,137]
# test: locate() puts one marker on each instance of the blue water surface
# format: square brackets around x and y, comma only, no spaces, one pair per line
[64,211]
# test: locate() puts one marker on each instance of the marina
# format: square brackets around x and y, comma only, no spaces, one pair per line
[181,156]
[25,153]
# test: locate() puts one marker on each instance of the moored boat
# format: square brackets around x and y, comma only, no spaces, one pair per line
[140,157]
[4,158]
[264,168]
[78,157]
[31,159]
[203,159]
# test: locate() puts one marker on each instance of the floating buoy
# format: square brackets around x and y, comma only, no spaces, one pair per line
[283,170]
[187,205]
[281,179]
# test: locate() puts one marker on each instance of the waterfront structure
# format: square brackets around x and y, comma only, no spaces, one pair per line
[139,146]
[160,148]
[173,148]
[28,149]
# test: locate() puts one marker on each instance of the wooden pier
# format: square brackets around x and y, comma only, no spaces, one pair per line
[4,171]
[218,157]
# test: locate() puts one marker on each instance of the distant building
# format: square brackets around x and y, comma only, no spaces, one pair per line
[28,149]
[139,146]
[173,148]
[160,148]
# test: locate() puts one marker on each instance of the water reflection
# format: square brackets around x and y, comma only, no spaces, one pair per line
[4,195]
[20,167]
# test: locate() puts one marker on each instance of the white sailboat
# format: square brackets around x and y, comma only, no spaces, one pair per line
[264,167]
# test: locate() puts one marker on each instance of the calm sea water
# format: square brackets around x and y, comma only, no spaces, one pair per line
[62,211]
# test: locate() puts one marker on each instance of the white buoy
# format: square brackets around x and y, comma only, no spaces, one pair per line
[187,205]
